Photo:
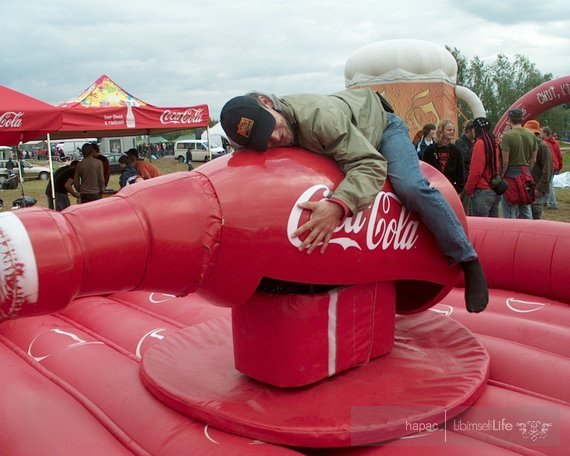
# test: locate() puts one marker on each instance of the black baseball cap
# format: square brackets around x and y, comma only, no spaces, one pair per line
[247,123]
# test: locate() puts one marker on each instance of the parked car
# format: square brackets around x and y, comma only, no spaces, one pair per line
[199,149]
[114,162]
[31,171]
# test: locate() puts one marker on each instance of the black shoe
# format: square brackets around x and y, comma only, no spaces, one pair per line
[476,288]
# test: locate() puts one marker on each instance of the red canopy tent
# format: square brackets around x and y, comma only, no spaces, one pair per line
[105,109]
[23,118]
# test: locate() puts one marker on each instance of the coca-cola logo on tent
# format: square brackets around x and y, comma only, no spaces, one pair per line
[11,119]
[190,116]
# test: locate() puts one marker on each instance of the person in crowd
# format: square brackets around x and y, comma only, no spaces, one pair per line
[369,143]
[88,179]
[444,156]
[189,159]
[557,164]
[144,169]
[106,165]
[485,163]
[465,144]
[541,171]
[518,148]
[428,133]
[128,172]
[10,165]
[63,186]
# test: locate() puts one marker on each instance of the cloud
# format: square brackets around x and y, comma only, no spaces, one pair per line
[520,12]
[179,52]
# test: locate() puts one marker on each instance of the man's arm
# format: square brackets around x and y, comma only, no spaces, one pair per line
[101,176]
[365,170]
[77,180]
[69,187]
[543,186]
[533,158]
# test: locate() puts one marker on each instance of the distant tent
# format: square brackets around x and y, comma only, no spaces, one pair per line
[106,109]
[216,135]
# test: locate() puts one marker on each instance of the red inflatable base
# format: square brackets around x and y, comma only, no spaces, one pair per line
[436,367]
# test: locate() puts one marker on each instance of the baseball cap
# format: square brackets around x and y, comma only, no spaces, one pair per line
[247,123]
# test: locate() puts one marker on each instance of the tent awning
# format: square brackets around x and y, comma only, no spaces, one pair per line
[105,109]
[24,118]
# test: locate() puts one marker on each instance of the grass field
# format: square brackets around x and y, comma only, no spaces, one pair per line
[168,165]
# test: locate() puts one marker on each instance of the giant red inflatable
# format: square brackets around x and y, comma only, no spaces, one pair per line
[315,360]
[540,99]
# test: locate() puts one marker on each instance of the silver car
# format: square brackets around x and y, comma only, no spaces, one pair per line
[31,171]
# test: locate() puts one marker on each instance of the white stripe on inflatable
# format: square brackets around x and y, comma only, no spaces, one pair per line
[19,261]
[333,300]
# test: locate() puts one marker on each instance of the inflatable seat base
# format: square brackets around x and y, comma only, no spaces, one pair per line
[436,368]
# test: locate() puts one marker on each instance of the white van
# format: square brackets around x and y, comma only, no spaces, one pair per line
[199,149]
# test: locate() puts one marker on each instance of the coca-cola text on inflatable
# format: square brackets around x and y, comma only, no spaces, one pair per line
[540,99]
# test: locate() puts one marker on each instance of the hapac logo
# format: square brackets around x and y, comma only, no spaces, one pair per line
[534,429]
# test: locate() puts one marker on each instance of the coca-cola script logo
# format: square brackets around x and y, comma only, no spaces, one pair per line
[11,119]
[190,116]
[383,230]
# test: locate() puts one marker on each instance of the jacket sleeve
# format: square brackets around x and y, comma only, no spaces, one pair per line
[101,176]
[545,157]
[560,157]
[364,167]
[77,180]
[429,156]
[459,183]
[477,167]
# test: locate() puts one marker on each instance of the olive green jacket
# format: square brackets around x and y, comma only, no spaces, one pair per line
[346,126]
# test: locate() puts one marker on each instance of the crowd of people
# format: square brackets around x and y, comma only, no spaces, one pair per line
[514,173]
[87,180]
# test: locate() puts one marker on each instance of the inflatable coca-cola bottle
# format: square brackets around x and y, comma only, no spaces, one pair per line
[221,229]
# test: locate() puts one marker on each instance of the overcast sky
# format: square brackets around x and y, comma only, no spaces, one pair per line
[185,52]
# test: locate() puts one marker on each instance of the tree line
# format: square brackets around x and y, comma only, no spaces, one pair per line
[502,82]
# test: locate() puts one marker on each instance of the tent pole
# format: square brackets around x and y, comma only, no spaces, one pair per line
[51,174]
[21,172]
[209,146]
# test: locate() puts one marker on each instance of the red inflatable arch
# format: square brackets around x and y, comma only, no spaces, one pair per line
[540,99]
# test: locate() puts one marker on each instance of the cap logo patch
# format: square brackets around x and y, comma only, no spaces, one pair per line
[244,127]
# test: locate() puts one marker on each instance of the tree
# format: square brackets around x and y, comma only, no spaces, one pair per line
[502,82]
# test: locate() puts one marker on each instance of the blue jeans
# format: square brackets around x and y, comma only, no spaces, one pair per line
[485,203]
[415,192]
[536,207]
[551,200]
[520,211]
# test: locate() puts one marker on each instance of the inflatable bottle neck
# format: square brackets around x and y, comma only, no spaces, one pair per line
[152,237]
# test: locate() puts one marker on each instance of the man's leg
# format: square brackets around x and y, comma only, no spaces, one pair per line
[416,194]
[525,211]
[509,211]
[551,202]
